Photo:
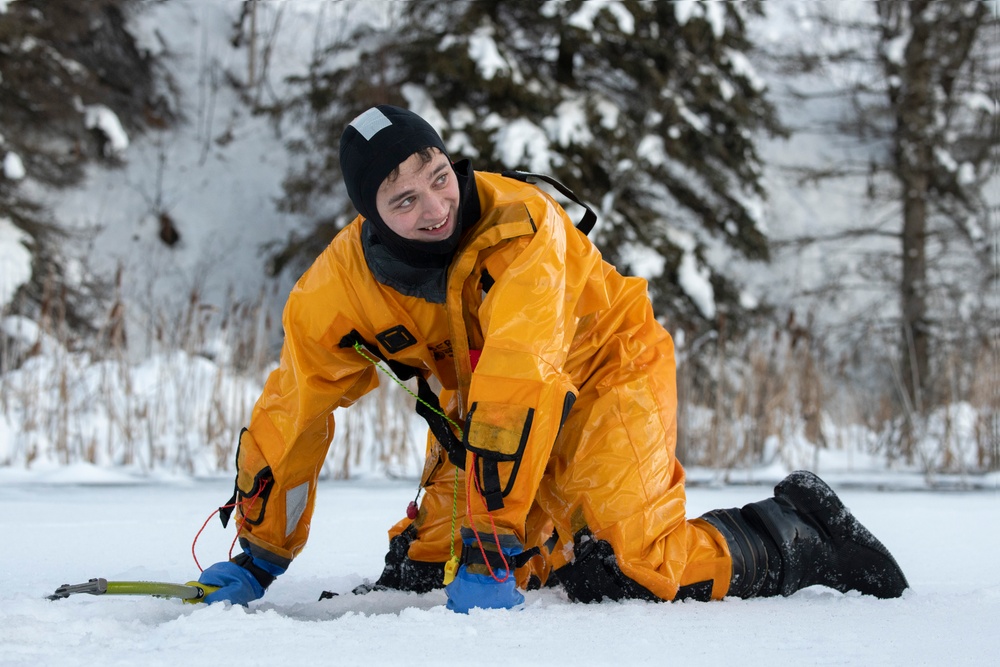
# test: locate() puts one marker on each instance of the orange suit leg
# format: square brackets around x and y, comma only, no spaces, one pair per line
[613,470]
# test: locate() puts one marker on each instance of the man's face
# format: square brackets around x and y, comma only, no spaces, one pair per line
[422,202]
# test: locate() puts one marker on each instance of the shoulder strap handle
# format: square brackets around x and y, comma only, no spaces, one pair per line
[589,217]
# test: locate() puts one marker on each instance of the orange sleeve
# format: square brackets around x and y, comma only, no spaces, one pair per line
[520,393]
[292,425]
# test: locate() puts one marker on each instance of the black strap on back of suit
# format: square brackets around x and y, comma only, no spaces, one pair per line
[589,217]
[428,404]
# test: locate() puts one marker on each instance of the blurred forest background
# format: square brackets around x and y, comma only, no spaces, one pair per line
[810,188]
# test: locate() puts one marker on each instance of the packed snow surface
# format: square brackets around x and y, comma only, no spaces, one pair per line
[75,523]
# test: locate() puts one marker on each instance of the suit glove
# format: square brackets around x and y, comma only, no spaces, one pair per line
[240,580]
[474,585]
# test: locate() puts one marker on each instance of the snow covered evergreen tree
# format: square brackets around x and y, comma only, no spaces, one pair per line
[72,86]
[647,110]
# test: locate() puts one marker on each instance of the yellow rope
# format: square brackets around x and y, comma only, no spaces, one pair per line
[451,567]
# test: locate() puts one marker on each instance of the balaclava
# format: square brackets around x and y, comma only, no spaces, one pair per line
[374,144]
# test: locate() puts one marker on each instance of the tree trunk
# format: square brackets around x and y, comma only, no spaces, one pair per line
[252,45]
[915,336]
[912,101]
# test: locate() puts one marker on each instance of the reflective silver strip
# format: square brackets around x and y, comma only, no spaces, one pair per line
[370,122]
[295,505]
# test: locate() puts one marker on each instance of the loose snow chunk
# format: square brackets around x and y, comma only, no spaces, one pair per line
[422,104]
[693,119]
[974,229]
[694,280]
[98,116]
[21,329]
[715,14]
[945,159]
[748,300]
[583,18]
[608,112]
[652,150]
[742,67]
[569,125]
[15,260]
[13,167]
[522,141]
[982,102]
[643,261]
[484,51]
[895,49]
[726,90]
[966,173]
[712,11]
[685,9]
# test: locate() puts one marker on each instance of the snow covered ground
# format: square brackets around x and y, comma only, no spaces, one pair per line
[67,524]
[83,523]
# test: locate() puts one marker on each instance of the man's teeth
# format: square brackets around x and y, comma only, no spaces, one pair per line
[437,226]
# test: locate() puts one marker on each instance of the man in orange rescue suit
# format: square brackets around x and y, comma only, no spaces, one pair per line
[559,385]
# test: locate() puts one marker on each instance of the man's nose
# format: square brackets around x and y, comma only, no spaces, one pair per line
[435,205]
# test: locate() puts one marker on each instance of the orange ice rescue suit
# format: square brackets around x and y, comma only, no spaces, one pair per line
[571,407]
[561,384]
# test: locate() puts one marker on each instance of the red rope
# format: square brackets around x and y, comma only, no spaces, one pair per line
[240,504]
[470,479]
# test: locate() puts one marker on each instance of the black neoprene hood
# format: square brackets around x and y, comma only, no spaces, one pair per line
[371,147]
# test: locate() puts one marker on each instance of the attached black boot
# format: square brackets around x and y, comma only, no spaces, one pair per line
[757,563]
[802,537]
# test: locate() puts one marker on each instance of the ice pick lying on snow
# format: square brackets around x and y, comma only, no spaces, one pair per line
[189,592]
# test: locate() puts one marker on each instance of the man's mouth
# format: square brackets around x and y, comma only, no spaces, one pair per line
[435,227]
